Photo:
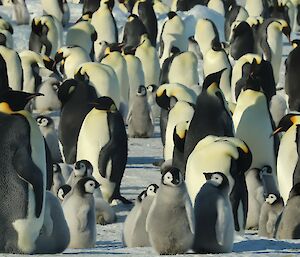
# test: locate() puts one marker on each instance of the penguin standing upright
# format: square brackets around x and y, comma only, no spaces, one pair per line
[103,141]
[90,6]
[21,14]
[214,224]
[23,168]
[256,8]
[54,8]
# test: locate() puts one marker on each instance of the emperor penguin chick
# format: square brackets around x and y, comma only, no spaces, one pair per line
[79,210]
[58,179]
[214,224]
[169,233]
[140,123]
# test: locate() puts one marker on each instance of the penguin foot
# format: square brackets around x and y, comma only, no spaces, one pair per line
[122,199]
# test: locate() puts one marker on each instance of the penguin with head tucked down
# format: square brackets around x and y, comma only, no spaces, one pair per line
[91,6]
[103,141]
[23,208]
[214,224]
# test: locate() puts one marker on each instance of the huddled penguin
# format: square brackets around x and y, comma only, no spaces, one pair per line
[103,141]
[23,169]
[292,69]
[47,128]
[217,5]
[256,8]
[79,211]
[270,211]
[75,97]
[58,9]
[214,224]
[140,121]
[230,156]
[20,14]
[289,224]
[135,234]
[288,154]
[58,179]
[55,234]
[90,6]
[169,233]
[6,34]
[184,5]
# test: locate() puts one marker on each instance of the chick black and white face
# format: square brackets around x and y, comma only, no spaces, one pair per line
[43,121]
[151,190]
[63,191]
[141,196]
[271,199]
[172,178]
[218,179]
[56,168]
[90,186]
[142,91]
[83,168]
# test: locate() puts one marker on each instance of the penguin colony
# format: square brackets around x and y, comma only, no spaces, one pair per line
[231,142]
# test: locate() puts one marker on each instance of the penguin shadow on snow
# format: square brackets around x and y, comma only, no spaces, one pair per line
[138,160]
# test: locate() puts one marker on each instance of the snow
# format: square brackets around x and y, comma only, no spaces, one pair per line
[142,153]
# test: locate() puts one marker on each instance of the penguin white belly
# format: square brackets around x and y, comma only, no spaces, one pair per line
[71,64]
[254,7]
[204,28]
[51,7]
[217,5]
[256,134]
[286,162]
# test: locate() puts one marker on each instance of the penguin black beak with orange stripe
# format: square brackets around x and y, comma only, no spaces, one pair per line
[213,79]
[36,26]
[286,122]
[164,101]
[13,101]
[286,30]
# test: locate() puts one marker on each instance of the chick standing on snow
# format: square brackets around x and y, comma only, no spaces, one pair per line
[169,233]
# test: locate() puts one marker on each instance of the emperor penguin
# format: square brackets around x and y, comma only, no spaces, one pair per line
[210,103]
[173,33]
[270,42]
[11,69]
[291,77]
[79,211]
[6,33]
[160,7]
[75,97]
[184,5]
[169,233]
[217,5]
[270,211]
[54,235]
[216,59]
[50,101]
[288,154]
[283,9]
[288,226]
[214,224]
[58,179]
[82,34]
[21,13]
[133,30]
[256,8]
[90,6]
[56,8]
[103,134]
[81,169]
[230,156]
[23,169]
[136,235]
[139,120]
[47,128]
[150,61]
[105,25]
[208,28]
[69,58]
[151,98]
[144,9]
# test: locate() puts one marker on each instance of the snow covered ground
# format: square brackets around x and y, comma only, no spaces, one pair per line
[140,172]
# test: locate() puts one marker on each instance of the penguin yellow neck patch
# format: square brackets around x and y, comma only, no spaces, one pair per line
[4,107]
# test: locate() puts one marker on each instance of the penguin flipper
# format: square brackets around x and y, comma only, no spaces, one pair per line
[29,172]
[190,214]
[222,220]
[266,50]
[270,226]
[104,156]
[82,217]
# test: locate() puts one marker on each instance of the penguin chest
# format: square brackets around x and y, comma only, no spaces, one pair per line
[275,43]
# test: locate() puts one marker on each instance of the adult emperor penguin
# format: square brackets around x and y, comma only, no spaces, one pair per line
[144,9]
[230,156]
[47,128]
[58,179]
[135,234]
[210,103]
[90,6]
[26,163]
[105,26]
[82,34]
[75,97]
[20,14]
[6,32]
[56,8]
[214,224]
[270,42]
[69,58]
[257,8]
[11,69]
[288,226]
[173,33]
[79,211]
[169,233]
[270,211]
[55,234]
[139,120]
[292,69]
[103,141]
[288,154]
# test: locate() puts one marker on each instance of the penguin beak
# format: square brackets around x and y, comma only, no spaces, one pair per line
[97,185]
[287,32]
[207,176]
[59,56]
[276,131]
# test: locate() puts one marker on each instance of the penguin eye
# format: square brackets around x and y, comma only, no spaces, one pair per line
[82,166]
[55,88]
[92,184]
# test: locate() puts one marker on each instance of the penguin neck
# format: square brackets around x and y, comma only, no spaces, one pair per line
[4,107]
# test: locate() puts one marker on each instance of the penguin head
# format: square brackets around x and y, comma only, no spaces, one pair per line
[152,88]
[240,29]
[283,26]
[66,89]
[85,17]
[109,3]
[216,44]
[212,81]
[272,199]
[172,177]
[296,43]
[295,191]
[87,185]
[163,99]
[171,15]
[151,190]
[141,196]
[217,179]
[13,101]
[83,168]
[286,122]
[63,191]
[105,103]
[141,91]
[56,168]
[44,121]
[179,135]
[36,26]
